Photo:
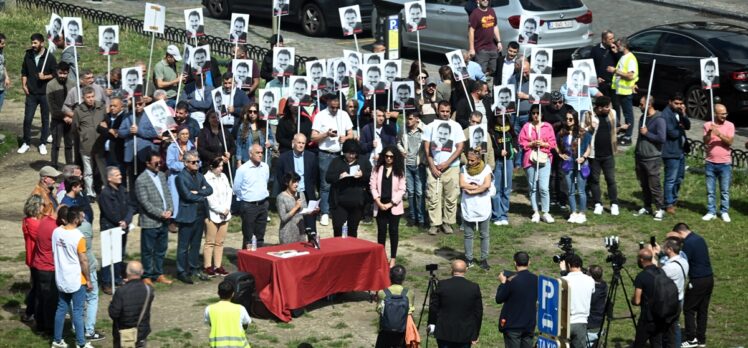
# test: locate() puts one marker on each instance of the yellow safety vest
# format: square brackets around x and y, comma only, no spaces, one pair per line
[225,326]
[623,86]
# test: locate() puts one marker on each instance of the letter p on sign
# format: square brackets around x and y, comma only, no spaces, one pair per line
[548,292]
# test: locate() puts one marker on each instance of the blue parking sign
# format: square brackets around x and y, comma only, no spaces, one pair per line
[549,295]
[393,23]
[547,343]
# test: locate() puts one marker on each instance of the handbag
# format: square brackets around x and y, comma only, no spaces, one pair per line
[539,157]
[128,338]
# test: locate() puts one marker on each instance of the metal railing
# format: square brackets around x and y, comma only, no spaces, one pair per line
[698,151]
[171,34]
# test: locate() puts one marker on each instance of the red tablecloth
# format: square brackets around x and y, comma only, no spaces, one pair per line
[341,265]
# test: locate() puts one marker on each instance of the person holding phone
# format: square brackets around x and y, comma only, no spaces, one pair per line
[518,292]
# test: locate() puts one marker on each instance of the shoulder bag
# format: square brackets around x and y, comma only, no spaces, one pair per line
[128,338]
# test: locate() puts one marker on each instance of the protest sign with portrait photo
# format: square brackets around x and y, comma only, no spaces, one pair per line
[280,7]
[316,71]
[504,99]
[354,62]
[269,99]
[132,81]
[160,116]
[220,102]
[478,137]
[239,28]
[72,29]
[283,61]
[588,66]
[528,30]
[576,83]
[373,80]
[391,71]
[200,59]
[403,95]
[457,63]
[242,70]
[337,70]
[194,23]
[350,20]
[540,88]
[108,39]
[54,28]
[709,72]
[300,91]
[415,15]
[541,61]
[373,58]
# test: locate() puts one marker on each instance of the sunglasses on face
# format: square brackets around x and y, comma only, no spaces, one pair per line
[389,156]
[252,111]
[191,162]
[569,120]
[558,102]
[156,163]
[534,113]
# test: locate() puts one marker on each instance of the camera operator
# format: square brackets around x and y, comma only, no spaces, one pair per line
[581,288]
[597,306]
[456,310]
[676,268]
[519,293]
[701,284]
[647,328]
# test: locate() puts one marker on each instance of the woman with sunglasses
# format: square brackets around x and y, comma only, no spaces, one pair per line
[573,149]
[175,164]
[537,140]
[252,131]
[387,186]
[348,178]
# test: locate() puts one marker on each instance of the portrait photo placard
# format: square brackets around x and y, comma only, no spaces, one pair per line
[350,20]
[504,99]
[588,66]
[415,15]
[194,23]
[280,7]
[72,28]
[108,39]
[457,63]
[541,61]
[403,95]
[478,137]
[528,30]
[269,99]
[132,81]
[576,83]
[200,59]
[373,58]
[374,82]
[160,116]
[392,69]
[283,61]
[242,70]
[239,28]
[299,91]
[354,62]
[540,88]
[709,72]
[54,28]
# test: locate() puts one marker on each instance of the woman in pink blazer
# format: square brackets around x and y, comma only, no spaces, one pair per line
[387,185]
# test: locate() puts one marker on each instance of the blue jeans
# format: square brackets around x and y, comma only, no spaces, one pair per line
[106,273]
[628,113]
[153,245]
[65,303]
[32,101]
[188,246]
[2,99]
[500,201]
[415,185]
[576,189]
[539,186]
[325,158]
[471,227]
[92,305]
[723,172]
[675,169]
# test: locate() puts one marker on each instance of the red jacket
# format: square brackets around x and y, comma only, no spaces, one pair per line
[43,258]
[30,228]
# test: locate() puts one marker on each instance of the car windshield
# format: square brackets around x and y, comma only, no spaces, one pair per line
[732,45]
[550,5]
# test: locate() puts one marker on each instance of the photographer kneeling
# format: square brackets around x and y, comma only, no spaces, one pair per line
[581,288]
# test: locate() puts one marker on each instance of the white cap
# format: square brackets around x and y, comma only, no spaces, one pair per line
[174,52]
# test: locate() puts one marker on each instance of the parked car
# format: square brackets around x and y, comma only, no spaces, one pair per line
[565,25]
[678,48]
[317,17]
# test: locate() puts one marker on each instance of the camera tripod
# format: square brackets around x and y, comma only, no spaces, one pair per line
[433,281]
[610,302]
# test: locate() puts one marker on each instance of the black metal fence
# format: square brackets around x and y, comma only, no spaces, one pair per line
[698,150]
[218,45]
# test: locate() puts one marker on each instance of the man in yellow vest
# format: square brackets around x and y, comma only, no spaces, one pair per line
[228,321]
[625,76]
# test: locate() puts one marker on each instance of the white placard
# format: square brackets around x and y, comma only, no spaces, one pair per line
[239,28]
[111,246]
[350,20]
[415,15]
[154,19]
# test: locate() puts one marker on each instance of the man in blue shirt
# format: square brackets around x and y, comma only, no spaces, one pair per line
[250,187]
[699,290]
[518,292]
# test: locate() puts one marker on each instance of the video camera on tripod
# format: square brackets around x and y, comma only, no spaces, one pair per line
[564,243]
[615,256]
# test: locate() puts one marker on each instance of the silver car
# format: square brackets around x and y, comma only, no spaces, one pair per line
[565,25]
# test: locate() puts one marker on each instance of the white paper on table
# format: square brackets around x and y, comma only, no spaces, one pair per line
[354,169]
[111,246]
[286,254]
[310,208]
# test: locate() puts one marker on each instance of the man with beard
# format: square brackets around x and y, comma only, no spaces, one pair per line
[283,63]
[34,82]
[251,83]
[351,25]
[194,28]
[109,46]
[484,38]
[507,67]
[237,31]
[57,90]
[477,99]
[72,34]
[182,116]
[540,65]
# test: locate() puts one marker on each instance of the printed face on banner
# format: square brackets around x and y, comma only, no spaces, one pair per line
[187,58]
[73,31]
[403,96]
[160,116]
[391,70]
[132,81]
[300,91]
[373,81]
[242,69]
[709,73]
[350,20]
[457,63]
[478,137]
[269,98]
[339,73]
[316,72]
[283,61]
[442,136]
[220,101]
[200,59]
[415,15]
[373,58]
[239,28]
[194,23]
[528,30]
[588,66]
[108,39]
[540,88]
[155,18]
[54,29]
[280,7]
[503,97]
[576,83]
[354,62]
[541,61]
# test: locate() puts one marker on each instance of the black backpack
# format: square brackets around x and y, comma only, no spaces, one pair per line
[244,288]
[664,307]
[395,311]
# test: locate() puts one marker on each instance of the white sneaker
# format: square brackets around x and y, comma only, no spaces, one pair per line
[268,218]
[548,218]
[497,223]
[598,209]
[504,222]
[49,138]
[725,217]
[659,215]
[614,209]
[23,148]
[642,212]
[60,344]
[87,345]
[324,220]
[581,218]
[535,218]
[573,218]
[708,217]
[42,149]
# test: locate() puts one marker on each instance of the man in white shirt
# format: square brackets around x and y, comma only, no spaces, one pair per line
[581,288]
[676,268]
[331,128]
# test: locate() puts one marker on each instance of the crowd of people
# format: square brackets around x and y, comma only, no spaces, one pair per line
[351,155]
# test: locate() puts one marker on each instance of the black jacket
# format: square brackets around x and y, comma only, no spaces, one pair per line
[211,145]
[311,171]
[462,110]
[603,58]
[456,308]
[116,144]
[518,294]
[115,207]
[287,129]
[125,309]
[597,306]
[348,192]
[30,69]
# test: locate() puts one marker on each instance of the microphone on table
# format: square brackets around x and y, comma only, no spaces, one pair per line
[311,237]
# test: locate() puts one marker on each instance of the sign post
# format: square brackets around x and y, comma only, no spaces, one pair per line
[393,37]
[553,312]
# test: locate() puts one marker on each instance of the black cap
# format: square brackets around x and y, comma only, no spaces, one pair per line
[556,96]
[274,38]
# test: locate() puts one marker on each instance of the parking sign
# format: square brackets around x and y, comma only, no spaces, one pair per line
[549,299]
[544,342]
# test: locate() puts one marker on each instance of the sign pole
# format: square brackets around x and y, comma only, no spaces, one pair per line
[649,91]
[711,101]
[111,259]
[420,64]
[108,71]
[467,95]
[134,140]
[503,143]
[355,40]
[150,61]
[78,85]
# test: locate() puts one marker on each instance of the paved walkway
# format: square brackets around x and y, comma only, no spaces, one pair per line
[736,9]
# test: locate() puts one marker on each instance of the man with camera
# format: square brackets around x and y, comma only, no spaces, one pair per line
[648,291]
[581,288]
[456,310]
[519,293]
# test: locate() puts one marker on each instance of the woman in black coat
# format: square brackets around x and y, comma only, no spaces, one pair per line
[211,142]
[348,177]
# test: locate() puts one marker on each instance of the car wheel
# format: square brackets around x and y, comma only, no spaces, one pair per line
[313,20]
[697,103]
[218,8]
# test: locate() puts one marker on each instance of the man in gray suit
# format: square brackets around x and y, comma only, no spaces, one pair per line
[155,207]
[193,190]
